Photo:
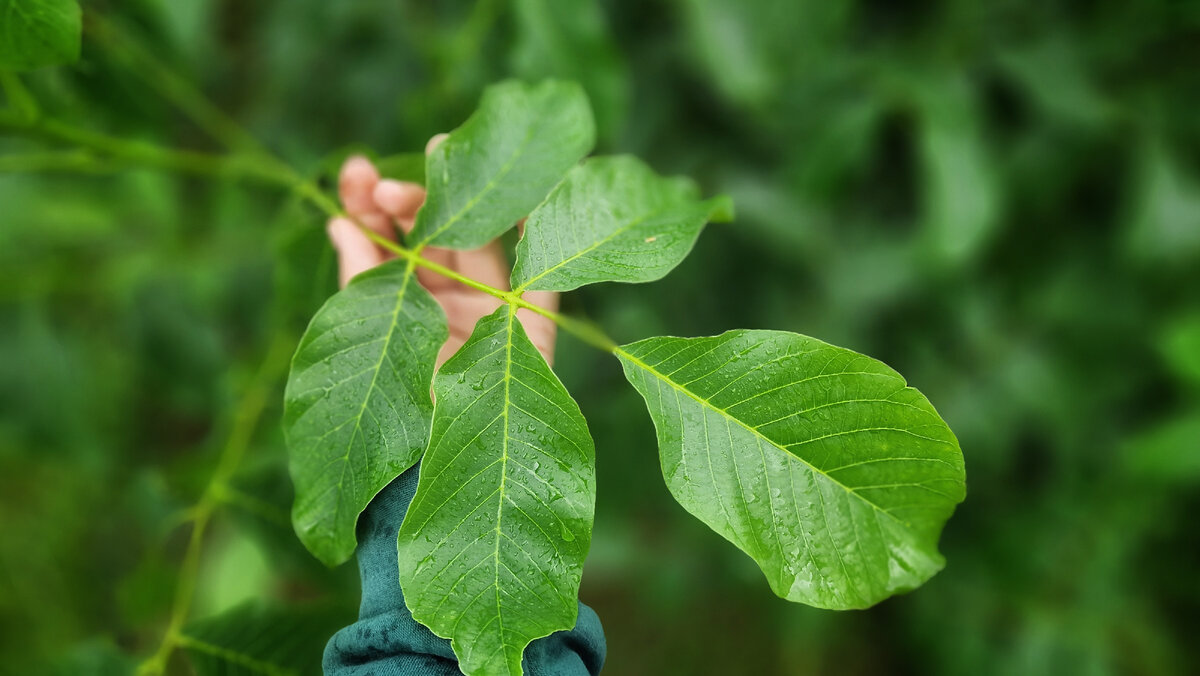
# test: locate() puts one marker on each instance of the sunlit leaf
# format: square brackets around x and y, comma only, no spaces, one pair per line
[493,545]
[357,406]
[611,219]
[818,462]
[495,168]
[36,33]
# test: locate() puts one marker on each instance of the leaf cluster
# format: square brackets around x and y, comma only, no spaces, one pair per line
[821,464]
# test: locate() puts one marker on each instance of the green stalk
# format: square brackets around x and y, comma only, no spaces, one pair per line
[245,422]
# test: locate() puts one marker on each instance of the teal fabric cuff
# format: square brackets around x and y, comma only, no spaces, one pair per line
[387,641]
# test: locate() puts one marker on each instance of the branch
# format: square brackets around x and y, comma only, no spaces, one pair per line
[245,421]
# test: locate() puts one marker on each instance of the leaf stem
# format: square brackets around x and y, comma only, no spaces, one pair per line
[175,89]
[585,331]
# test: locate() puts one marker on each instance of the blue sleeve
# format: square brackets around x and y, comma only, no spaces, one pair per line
[387,641]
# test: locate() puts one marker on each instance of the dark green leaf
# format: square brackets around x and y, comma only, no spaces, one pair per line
[818,462]
[495,168]
[258,639]
[357,406]
[611,219]
[572,41]
[493,545]
[36,33]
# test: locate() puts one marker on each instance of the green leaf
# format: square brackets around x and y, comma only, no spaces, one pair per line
[815,460]
[572,41]
[494,169]
[36,33]
[357,408]
[256,638]
[493,545]
[611,220]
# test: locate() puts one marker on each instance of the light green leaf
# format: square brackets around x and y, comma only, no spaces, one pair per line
[357,408]
[611,220]
[493,545]
[36,33]
[815,460]
[494,169]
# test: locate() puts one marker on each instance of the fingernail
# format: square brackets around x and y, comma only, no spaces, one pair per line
[435,142]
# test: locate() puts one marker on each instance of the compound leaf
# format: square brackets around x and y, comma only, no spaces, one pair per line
[357,408]
[493,545]
[36,33]
[611,219]
[818,462]
[496,167]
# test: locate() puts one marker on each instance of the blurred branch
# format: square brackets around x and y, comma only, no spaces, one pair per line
[126,151]
[144,64]
[245,421]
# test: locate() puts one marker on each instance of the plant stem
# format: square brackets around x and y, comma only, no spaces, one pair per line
[245,422]
[251,160]
[137,152]
[143,63]
[585,331]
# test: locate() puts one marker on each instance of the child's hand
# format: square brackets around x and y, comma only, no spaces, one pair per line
[383,205]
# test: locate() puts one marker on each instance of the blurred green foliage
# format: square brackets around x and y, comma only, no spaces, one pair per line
[1001,200]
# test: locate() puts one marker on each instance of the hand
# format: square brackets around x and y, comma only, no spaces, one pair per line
[383,205]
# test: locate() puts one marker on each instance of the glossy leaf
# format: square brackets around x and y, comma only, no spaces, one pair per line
[357,406]
[818,462]
[493,545]
[494,169]
[36,33]
[611,220]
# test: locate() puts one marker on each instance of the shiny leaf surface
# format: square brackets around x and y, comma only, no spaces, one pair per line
[495,168]
[357,406]
[611,219]
[818,462]
[493,545]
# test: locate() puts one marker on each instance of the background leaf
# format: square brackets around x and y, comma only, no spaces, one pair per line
[36,33]
[357,406]
[259,639]
[496,167]
[572,42]
[492,547]
[815,460]
[611,219]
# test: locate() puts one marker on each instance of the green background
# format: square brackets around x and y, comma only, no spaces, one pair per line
[1001,200]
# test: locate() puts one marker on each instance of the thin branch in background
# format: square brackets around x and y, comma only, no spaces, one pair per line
[245,421]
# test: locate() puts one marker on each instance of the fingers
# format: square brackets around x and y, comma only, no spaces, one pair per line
[355,252]
[486,264]
[399,200]
[435,141]
[356,187]
[542,331]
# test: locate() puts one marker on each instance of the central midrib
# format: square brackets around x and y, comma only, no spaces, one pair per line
[704,402]
[488,187]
